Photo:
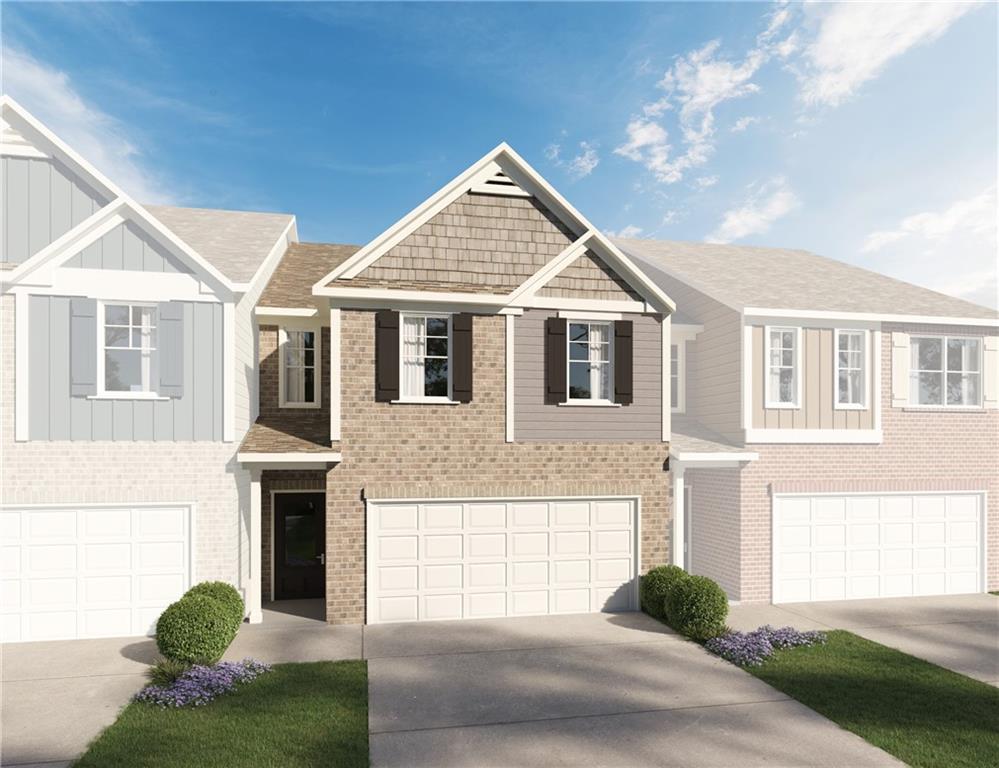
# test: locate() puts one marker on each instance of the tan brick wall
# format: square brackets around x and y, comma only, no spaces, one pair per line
[309,423]
[713,537]
[459,451]
[921,451]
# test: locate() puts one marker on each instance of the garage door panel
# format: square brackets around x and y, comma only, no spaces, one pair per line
[10,526]
[478,559]
[80,572]
[889,545]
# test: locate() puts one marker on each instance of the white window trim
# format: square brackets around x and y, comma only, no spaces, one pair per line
[865,399]
[769,402]
[424,399]
[681,375]
[589,401]
[943,406]
[111,394]
[317,360]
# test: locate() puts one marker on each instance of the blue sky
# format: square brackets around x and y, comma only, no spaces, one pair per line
[865,132]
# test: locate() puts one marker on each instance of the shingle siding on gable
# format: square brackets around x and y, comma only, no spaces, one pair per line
[40,201]
[127,247]
[482,240]
[56,415]
[589,277]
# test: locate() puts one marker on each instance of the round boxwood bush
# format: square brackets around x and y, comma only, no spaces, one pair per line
[196,630]
[697,607]
[226,594]
[656,586]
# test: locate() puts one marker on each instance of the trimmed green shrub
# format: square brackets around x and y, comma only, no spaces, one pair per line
[655,587]
[196,629]
[166,671]
[226,594]
[697,607]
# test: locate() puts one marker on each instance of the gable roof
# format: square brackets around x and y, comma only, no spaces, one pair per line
[235,242]
[303,263]
[748,279]
[500,168]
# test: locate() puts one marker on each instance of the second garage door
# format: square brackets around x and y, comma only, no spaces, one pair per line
[842,547]
[478,559]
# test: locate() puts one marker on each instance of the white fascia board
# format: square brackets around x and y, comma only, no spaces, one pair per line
[269,264]
[22,150]
[869,317]
[286,311]
[543,276]
[645,285]
[290,457]
[121,285]
[391,294]
[815,436]
[695,458]
[588,305]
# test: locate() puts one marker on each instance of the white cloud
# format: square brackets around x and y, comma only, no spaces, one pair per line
[648,143]
[672,216]
[855,41]
[764,205]
[743,123]
[553,152]
[103,140]
[953,250]
[629,231]
[704,182]
[585,162]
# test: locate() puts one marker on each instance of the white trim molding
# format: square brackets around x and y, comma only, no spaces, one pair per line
[289,459]
[336,320]
[873,317]
[666,334]
[510,381]
[229,372]
[286,311]
[866,358]
[817,436]
[317,365]
[22,390]
[254,541]
[691,459]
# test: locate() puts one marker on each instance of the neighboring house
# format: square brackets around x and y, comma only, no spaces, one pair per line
[491,409]
[128,377]
[862,411]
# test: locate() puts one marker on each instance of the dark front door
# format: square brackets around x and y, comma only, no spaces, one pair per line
[299,545]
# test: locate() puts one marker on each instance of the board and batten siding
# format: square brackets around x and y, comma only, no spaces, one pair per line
[816,409]
[40,201]
[53,414]
[534,420]
[127,247]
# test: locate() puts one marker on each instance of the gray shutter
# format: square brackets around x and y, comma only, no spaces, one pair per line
[461,357]
[556,390]
[170,348]
[386,356]
[624,388]
[83,347]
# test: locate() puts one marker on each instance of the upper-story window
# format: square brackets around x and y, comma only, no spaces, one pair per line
[426,351]
[590,362]
[946,371]
[127,358]
[851,369]
[300,368]
[783,383]
[674,376]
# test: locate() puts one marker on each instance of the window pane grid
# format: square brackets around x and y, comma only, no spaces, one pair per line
[783,364]
[674,375]
[589,361]
[425,356]
[129,343]
[945,371]
[850,368]
[300,367]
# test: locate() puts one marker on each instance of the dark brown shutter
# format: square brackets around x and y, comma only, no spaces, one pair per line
[555,351]
[624,356]
[461,357]
[386,355]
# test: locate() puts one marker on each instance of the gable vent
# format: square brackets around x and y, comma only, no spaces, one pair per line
[499,184]
[14,144]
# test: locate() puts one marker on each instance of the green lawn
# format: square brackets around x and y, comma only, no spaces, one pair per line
[926,716]
[295,715]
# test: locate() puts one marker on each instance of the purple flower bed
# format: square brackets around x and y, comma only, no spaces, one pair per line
[750,649]
[200,684]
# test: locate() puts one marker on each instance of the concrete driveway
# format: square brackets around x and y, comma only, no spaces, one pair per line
[604,689]
[960,632]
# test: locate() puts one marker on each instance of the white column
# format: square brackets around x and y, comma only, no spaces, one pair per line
[253,599]
[229,371]
[509,378]
[678,528]
[21,391]
[667,327]
[334,374]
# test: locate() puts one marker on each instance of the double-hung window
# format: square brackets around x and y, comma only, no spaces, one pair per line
[128,351]
[851,369]
[783,383]
[945,371]
[590,362]
[299,368]
[426,351]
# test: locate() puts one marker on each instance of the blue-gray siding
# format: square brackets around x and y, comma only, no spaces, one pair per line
[55,415]
[534,420]
[40,201]
[127,247]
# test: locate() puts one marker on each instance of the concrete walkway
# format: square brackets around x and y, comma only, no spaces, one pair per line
[603,689]
[960,632]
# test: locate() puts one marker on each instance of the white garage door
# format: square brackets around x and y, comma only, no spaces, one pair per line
[893,545]
[479,559]
[74,572]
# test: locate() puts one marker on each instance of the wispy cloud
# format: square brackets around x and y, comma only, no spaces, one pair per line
[628,231]
[705,182]
[585,162]
[924,247]
[764,204]
[102,139]
[743,123]
[855,41]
